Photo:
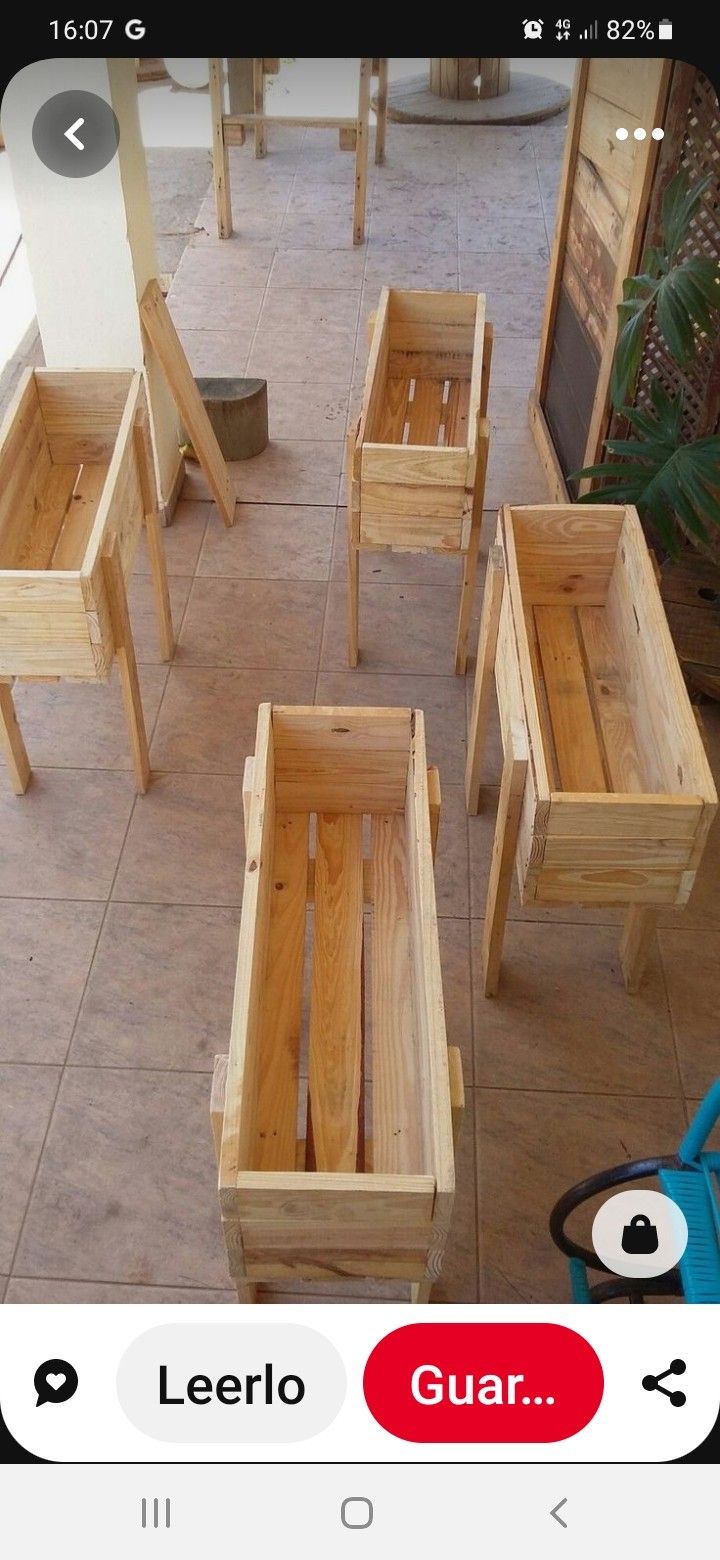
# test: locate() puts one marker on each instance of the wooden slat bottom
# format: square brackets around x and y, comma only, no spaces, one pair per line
[278,1060]
[336,1040]
[591,744]
[425,410]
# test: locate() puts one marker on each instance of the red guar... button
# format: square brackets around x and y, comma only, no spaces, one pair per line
[483,1381]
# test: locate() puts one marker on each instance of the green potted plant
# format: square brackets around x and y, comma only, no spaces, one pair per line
[673,481]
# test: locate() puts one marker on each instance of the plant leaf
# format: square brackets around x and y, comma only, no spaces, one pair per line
[628,355]
[680,203]
[664,477]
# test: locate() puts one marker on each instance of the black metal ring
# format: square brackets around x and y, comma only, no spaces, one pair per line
[638,1170]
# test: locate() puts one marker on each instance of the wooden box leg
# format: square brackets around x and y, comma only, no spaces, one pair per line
[487,644]
[470,560]
[259,107]
[382,93]
[635,944]
[503,856]
[127,664]
[12,743]
[221,167]
[156,545]
[420,1292]
[457,1091]
[361,152]
[353,600]
[353,541]
[245,1290]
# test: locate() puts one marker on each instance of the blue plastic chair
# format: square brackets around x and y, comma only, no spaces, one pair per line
[692,1179]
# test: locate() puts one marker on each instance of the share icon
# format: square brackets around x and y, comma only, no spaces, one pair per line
[652,1383]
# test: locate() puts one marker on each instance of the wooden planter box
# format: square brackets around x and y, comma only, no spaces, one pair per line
[350,1173]
[607,795]
[77,483]
[418,456]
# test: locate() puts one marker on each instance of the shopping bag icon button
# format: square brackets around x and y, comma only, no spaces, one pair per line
[640,1236]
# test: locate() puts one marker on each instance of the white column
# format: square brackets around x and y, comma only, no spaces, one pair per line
[90,242]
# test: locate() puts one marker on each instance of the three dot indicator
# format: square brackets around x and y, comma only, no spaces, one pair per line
[623,134]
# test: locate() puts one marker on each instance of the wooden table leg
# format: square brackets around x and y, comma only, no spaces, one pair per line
[420,1293]
[487,644]
[471,554]
[486,362]
[353,545]
[245,1289]
[221,167]
[635,943]
[361,152]
[127,664]
[512,787]
[161,589]
[259,107]
[155,543]
[382,94]
[12,742]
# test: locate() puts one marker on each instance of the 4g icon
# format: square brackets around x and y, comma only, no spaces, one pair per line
[562,29]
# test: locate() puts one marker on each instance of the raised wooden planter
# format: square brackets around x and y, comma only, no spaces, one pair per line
[606,794]
[418,456]
[77,483]
[350,1173]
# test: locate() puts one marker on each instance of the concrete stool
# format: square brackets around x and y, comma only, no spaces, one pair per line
[238,413]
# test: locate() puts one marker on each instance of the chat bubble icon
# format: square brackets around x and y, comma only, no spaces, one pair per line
[56,1381]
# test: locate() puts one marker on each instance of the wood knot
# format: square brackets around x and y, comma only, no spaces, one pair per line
[252,866]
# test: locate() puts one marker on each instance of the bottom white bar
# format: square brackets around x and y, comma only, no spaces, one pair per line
[415,1511]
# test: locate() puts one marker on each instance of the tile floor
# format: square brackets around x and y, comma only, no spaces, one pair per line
[119,915]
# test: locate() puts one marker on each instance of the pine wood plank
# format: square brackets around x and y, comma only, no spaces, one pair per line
[576,741]
[37,549]
[425,411]
[397,1117]
[281,1014]
[127,665]
[512,789]
[484,667]
[393,412]
[221,166]
[635,944]
[11,742]
[25,465]
[335,1063]
[614,721]
[429,1005]
[164,338]
[239,1120]
[74,536]
[456,413]
[361,150]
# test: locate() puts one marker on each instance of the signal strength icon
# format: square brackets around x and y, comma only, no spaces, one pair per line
[590,32]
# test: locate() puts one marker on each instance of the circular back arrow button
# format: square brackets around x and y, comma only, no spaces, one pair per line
[57,141]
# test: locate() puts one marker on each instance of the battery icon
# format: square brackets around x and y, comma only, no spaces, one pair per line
[665,28]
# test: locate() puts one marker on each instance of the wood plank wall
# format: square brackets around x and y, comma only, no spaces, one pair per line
[602,212]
